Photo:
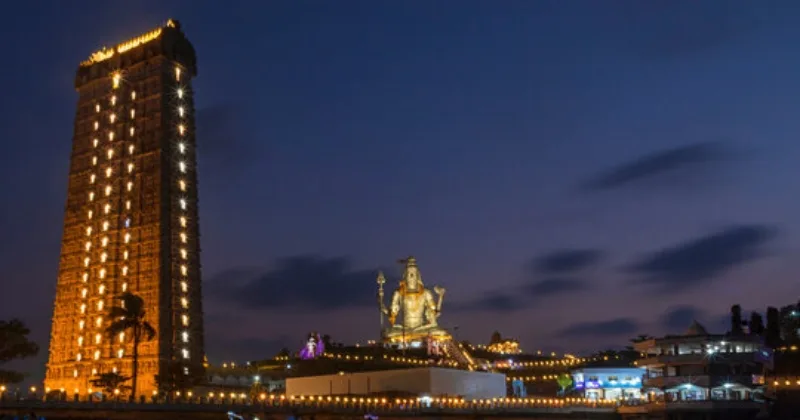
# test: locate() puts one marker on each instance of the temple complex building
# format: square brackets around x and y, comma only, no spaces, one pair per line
[699,366]
[131,219]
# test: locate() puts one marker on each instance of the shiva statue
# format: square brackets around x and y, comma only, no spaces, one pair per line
[420,310]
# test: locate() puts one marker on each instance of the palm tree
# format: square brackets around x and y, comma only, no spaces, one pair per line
[109,381]
[129,316]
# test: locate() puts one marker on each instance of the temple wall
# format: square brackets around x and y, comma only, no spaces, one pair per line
[418,381]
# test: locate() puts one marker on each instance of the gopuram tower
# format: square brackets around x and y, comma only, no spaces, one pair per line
[131,219]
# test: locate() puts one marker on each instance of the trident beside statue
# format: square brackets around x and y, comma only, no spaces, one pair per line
[381,280]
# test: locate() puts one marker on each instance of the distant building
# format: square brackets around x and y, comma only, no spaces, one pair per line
[608,383]
[507,346]
[500,345]
[232,379]
[700,366]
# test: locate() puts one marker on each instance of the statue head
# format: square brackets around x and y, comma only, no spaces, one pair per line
[411,276]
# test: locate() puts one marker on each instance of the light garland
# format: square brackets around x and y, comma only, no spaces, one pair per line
[97,275]
[183,214]
[400,404]
[786,382]
[127,177]
[88,245]
[531,378]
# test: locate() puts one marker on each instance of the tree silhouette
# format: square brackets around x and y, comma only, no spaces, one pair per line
[756,324]
[110,381]
[640,338]
[130,316]
[736,320]
[14,344]
[772,334]
[496,338]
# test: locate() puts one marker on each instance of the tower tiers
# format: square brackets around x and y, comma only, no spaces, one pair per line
[131,219]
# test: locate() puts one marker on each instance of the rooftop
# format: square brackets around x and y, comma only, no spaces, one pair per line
[106,53]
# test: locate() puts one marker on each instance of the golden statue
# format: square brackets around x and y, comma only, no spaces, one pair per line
[420,310]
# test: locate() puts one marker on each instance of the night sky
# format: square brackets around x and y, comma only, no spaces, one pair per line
[574,173]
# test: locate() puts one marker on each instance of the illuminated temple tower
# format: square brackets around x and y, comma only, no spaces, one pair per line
[131,221]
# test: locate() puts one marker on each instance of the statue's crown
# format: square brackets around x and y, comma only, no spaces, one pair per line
[409,262]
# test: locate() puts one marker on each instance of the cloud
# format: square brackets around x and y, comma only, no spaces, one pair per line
[491,302]
[565,260]
[701,260]
[298,281]
[679,318]
[504,302]
[555,286]
[686,162]
[619,326]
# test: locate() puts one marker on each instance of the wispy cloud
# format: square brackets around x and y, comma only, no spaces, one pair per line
[493,302]
[565,260]
[701,260]
[556,286]
[688,162]
[298,281]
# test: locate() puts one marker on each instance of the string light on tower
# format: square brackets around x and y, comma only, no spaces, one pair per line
[181,129]
[129,190]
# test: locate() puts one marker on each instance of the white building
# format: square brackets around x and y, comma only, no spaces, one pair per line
[426,381]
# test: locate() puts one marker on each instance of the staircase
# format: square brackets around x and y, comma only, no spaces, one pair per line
[457,352]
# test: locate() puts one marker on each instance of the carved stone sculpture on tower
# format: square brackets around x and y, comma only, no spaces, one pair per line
[420,309]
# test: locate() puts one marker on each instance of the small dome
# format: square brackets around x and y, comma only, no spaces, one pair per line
[696,329]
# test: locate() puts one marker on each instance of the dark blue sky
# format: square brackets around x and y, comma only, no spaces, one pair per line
[574,173]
